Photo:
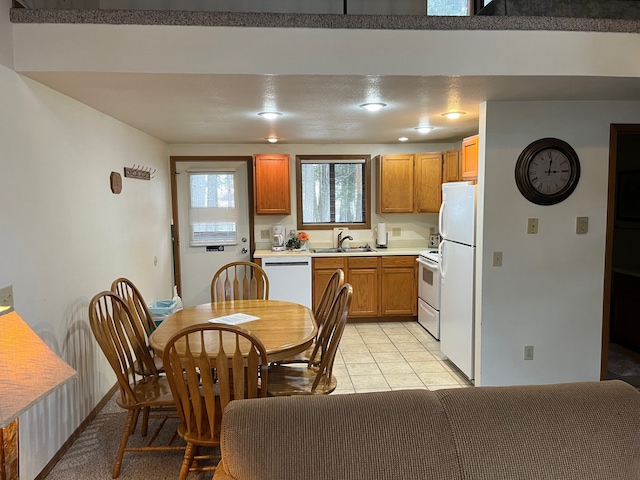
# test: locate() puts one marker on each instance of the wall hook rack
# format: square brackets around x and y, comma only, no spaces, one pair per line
[139,172]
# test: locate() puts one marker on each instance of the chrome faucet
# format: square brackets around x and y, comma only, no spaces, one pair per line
[341,239]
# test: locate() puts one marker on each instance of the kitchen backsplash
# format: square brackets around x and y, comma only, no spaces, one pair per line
[401,234]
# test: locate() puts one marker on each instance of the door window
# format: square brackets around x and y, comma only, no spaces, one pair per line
[213,217]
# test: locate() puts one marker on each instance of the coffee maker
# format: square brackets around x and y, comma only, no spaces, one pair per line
[278,235]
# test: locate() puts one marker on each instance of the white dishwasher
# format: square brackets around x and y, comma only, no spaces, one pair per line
[289,278]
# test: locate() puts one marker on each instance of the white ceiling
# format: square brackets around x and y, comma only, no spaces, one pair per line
[317,109]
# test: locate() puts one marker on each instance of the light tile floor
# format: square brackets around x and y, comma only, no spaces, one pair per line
[381,356]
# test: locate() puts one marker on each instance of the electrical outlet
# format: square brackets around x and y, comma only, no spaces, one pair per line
[497,259]
[6,296]
[532,226]
[396,232]
[528,352]
[582,225]
[265,234]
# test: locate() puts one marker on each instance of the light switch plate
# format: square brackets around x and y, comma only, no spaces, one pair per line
[582,225]
[265,234]
[6,296]
[532,226]
[528,352]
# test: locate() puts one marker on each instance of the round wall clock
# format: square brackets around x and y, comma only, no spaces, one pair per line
[547,171]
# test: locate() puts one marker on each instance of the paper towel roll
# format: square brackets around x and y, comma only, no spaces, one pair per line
[381,234]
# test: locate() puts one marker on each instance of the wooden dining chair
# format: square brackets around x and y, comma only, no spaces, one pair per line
[142,389]
[239,281]
[126,290]
[315,378]
[320,313]
[207,366]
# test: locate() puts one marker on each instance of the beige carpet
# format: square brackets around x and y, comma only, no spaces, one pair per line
[92,455]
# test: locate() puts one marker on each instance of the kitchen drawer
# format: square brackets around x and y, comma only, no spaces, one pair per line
[329,262]
[363,262]
[399,261]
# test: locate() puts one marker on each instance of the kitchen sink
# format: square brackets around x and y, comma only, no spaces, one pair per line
[342,250]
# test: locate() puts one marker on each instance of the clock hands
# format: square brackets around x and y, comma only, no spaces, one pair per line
[549,171]
[550,163]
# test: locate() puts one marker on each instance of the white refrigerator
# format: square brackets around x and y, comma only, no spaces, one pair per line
[457,225]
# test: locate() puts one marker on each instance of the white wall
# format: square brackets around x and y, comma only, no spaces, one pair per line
[549,291]
[65,237]
[158,49]
[415,228]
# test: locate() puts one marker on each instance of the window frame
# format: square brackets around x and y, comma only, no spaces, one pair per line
[366,197]
[191,209]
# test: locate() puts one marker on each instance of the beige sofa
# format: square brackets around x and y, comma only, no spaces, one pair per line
[582,431]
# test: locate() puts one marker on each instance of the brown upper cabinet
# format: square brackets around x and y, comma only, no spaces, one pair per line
[272,189]
[428,187]
[395,183]
[409,183]
[470,158]
[452,171]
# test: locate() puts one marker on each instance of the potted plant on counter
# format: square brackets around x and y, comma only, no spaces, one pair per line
[297,241]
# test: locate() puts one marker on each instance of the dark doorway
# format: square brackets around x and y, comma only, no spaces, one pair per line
[621,325]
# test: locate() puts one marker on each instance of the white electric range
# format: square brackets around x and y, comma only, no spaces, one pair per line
[429,292]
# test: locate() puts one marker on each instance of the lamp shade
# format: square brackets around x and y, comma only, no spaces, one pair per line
[29,369]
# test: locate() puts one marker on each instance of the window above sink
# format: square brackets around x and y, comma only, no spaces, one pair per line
[333,191]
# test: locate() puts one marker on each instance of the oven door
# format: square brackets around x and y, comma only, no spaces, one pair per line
[429,318]
[429,283]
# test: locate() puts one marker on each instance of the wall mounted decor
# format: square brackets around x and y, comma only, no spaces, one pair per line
[547,171]
[139,172]
[116,182]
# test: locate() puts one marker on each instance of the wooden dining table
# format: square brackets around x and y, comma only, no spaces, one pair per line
[285,328]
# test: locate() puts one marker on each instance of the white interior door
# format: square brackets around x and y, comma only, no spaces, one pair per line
[197,264]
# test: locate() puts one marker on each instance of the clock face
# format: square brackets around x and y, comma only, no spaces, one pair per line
[547,171]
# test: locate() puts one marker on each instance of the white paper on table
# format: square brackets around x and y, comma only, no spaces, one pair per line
[234,319]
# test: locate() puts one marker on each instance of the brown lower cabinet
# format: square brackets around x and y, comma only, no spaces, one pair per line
[323,268]
[384,286]
[398,280]
[362,274]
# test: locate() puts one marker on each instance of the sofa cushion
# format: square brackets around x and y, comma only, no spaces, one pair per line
[582,431]
[385,435]
[587,430]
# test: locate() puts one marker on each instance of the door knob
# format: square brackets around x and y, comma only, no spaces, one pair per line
[244,250]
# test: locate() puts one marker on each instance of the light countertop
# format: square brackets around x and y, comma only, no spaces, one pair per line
[378,253]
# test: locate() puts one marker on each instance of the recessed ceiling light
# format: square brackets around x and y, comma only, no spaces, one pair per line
[423,129]
[270,115]
[403,139]
[373,107]
[272,140]
[453,115]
